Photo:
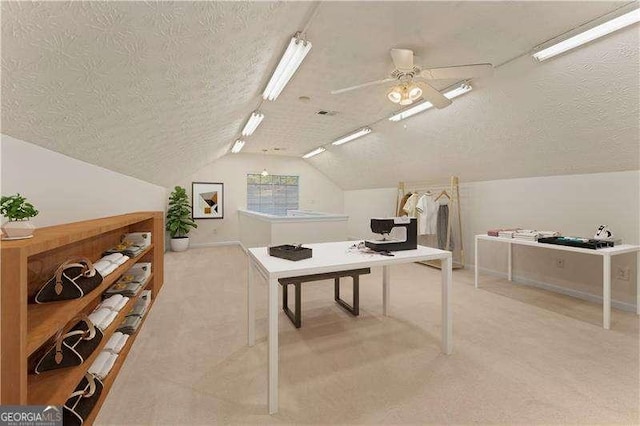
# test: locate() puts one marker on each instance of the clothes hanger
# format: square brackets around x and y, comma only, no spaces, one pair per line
[444,192]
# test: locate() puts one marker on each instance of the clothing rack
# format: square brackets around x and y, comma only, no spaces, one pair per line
[454,240]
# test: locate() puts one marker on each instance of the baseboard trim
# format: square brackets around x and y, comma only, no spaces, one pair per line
[216,244]
[516,279]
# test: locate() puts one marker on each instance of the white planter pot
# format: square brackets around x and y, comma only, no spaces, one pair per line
[179,244]
[18,229]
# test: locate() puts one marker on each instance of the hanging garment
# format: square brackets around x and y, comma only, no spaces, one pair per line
[409,207]
[442,225]
[427,210]
[403,201]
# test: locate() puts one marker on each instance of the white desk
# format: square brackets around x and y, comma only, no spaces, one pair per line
[605,253]
[331,257]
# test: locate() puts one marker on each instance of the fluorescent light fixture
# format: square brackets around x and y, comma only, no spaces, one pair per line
[589,35]
[252,123]
[352,136]
[237,146]
[289,63]
[423,106]
[316,151]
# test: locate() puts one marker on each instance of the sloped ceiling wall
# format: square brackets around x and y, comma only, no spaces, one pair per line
[157,90]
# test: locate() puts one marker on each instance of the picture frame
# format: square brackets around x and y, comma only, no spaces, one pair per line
[207,200]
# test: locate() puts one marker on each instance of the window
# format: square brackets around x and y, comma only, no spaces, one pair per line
[272,194]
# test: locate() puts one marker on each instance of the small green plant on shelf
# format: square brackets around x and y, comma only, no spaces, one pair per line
[179,221]
[16,207]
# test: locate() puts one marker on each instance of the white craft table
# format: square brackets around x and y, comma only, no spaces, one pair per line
[331,257]
[605,253]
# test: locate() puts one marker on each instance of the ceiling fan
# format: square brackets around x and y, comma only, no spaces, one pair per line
[408,90]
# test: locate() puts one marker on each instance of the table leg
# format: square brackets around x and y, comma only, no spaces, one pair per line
[273,346]
[476,261]
[509,262]
[251,305]
[385,290]
[606,291]
[638,282]
[447,328]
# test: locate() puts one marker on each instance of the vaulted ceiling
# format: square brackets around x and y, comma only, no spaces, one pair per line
[157,90]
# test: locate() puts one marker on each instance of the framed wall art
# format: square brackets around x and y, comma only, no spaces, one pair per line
[207,200]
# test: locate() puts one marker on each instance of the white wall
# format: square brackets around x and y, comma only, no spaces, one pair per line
[363,204]
[66,190]
[572,204]
[317,192]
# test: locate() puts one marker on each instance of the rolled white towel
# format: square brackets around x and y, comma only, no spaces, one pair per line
[121,304]
[113,341]
[99,315]
[108,365]
[120,260]
[99,363]
[107,321]
[121,343]
[109,270]
[112,302]
[102,265]
[112,257]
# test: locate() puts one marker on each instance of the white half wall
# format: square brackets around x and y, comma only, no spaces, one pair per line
[317,192]
[572,204]
[67,190]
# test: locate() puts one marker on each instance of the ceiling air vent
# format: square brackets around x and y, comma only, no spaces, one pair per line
[327,113]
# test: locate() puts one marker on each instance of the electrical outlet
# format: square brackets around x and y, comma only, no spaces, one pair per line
[623,273]
[559,262]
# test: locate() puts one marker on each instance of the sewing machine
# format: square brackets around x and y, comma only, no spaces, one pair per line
[405,230]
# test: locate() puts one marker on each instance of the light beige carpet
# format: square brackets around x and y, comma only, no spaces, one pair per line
[521,355]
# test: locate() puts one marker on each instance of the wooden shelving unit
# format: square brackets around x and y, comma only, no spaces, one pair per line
[28,329]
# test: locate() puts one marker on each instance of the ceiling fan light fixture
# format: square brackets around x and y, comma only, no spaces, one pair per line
[414,93]
[452,92]
[395,95]
[252,123]
[289,63]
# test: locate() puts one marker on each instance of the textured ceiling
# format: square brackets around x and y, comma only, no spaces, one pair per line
[158,90]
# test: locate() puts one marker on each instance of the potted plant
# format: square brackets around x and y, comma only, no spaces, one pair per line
[179,221]
[18,211]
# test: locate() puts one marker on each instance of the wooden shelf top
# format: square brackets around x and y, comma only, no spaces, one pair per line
[52,237]
[44,321]
[54,387]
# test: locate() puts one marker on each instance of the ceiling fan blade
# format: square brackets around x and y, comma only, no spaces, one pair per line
[402,58]
[458,72]
[432,95]
[359,86]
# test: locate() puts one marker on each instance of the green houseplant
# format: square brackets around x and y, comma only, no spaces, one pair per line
[18,211]
[179,221]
